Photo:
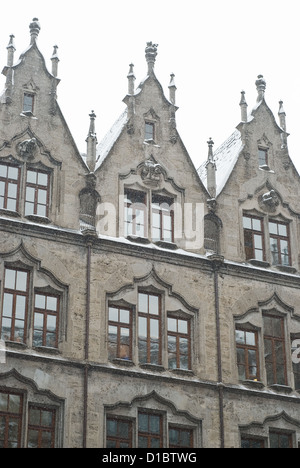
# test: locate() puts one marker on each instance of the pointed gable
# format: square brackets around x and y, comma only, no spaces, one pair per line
[256,134]
[143,158]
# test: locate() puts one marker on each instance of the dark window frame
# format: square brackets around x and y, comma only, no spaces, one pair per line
[278,238]
[180,431]
[41,428]
[9,416]
[163,207]
[148,341]
[249,238]
[118,438]
[7,181]
[37,189]
[280,435]
[46,312]
[149,435]
[246,348]
[119,325]
[132,199]
[275,342]
[252,442]
[15,293]
[177,335]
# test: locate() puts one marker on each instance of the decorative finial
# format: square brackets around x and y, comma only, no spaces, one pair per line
[92,116]
[261,87]
[150,54]
[35,28]
[211,170]
[172,88]
[131,79]
[10,51]
[91,143]
[243,105]
[282,120]
[54,60]
[210,150]
[11,42]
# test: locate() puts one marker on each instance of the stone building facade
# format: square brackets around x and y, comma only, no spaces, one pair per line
[144,303]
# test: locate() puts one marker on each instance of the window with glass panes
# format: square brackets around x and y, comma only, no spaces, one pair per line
[179,343]
[274,344]
[9,187]
[247,354]
[11,405]
[150,430]
[135,213]
[262,157]
[118,433]
[253,238]
[149,131]
[162,218]
[37,193]
[119,333]
[252,442]
[41,427]
[45,325]
[279,243]
[180,437]
[15,305]
[28,103]
[149,328]
[280,440]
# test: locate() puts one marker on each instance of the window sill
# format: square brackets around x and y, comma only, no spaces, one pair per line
[138,240]
[281,388]
[10,213]
[123,362]
[38,219]
[153,367]
[166,245]
[253,383]
[186,372]
[259,263]
[15,344]
[286,269]
[46,349]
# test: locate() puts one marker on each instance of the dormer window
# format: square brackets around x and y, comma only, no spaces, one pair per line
[149,131]
[263,160]
[28,103]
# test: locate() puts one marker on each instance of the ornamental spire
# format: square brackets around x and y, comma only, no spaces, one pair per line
[34,28]
[150,54]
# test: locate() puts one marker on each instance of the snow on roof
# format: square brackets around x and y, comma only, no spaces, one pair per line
[225,158]
[104,147]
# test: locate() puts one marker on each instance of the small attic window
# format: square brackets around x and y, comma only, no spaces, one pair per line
[263,160]
[28,103]
[149,131]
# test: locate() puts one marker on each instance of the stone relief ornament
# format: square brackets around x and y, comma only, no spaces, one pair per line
[269,201]
[151,172]
[26,149]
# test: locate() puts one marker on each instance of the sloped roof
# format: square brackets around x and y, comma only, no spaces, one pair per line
[104,147]
[225,158]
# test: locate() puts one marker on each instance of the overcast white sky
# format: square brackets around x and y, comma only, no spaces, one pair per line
[216,48]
